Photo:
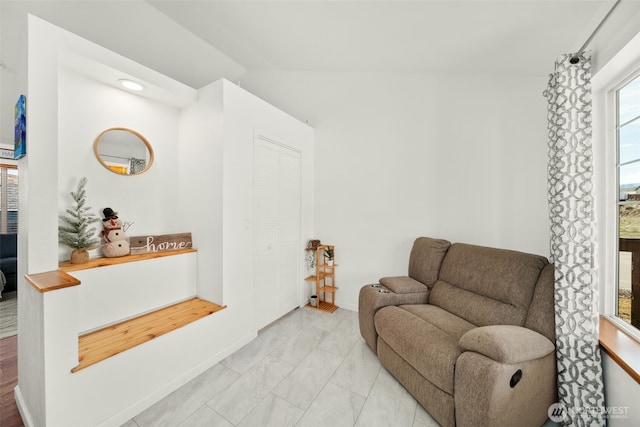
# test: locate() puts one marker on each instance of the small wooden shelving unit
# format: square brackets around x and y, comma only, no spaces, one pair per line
[324,280]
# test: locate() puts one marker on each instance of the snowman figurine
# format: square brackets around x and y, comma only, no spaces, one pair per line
[115,240]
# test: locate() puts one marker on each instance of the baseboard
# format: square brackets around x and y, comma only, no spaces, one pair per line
[22,407]
[133,410]
[349,307]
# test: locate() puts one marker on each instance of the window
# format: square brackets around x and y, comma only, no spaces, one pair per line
[616,155]
[627,129]
[8,199]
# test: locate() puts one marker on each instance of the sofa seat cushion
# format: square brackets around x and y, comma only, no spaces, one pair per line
[403,285]
[441,319]
[426,337]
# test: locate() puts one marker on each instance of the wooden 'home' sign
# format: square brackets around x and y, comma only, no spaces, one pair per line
[163,243]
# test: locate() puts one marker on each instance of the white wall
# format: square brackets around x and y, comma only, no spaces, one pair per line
[66,112]
[217,182]
[200,198]
[37,233]
[149,201]
[621,395]
[13,76]
[73,98]
[400,156]
[247,116]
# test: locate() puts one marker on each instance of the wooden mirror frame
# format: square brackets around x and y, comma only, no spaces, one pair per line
[142,138]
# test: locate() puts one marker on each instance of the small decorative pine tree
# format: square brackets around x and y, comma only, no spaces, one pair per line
[75,231]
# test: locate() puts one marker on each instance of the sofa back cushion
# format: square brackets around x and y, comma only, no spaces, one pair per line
[541,315]
[487,286]
[426,258]
[8,245]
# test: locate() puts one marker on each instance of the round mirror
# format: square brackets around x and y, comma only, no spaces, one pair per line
[123,151]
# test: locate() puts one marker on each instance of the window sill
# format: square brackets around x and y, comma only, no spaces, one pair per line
[622,348]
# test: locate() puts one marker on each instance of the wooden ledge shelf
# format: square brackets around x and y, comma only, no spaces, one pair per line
[98,345]
[51,280]
[103,262]
[623,349]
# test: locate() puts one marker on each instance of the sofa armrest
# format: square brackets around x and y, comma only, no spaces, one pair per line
[373,297]
[506,343]
[403,285]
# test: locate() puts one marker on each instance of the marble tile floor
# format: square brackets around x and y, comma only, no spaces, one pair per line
[307,369]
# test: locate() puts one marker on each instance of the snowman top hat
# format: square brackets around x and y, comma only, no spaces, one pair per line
[109,214]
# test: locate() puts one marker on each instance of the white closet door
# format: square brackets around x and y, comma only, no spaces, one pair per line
[277,230]
[265,273]
[289,227]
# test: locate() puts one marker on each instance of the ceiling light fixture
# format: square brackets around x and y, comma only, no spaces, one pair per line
[130,84]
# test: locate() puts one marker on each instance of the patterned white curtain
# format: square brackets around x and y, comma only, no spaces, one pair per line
[573,247]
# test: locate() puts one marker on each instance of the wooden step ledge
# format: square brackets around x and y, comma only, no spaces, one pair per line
[98,345]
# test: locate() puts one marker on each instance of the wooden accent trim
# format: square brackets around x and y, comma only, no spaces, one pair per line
[51,280]
[59,279]
[98,345]
[622,348]
[104,262]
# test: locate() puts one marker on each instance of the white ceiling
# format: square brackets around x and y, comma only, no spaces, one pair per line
[522,37]
[197,42]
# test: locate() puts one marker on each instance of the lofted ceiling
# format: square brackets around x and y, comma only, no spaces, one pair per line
[197,42]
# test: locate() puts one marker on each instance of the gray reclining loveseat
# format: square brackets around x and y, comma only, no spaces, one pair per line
[469,333]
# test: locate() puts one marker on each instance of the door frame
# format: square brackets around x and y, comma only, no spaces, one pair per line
[265,137]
